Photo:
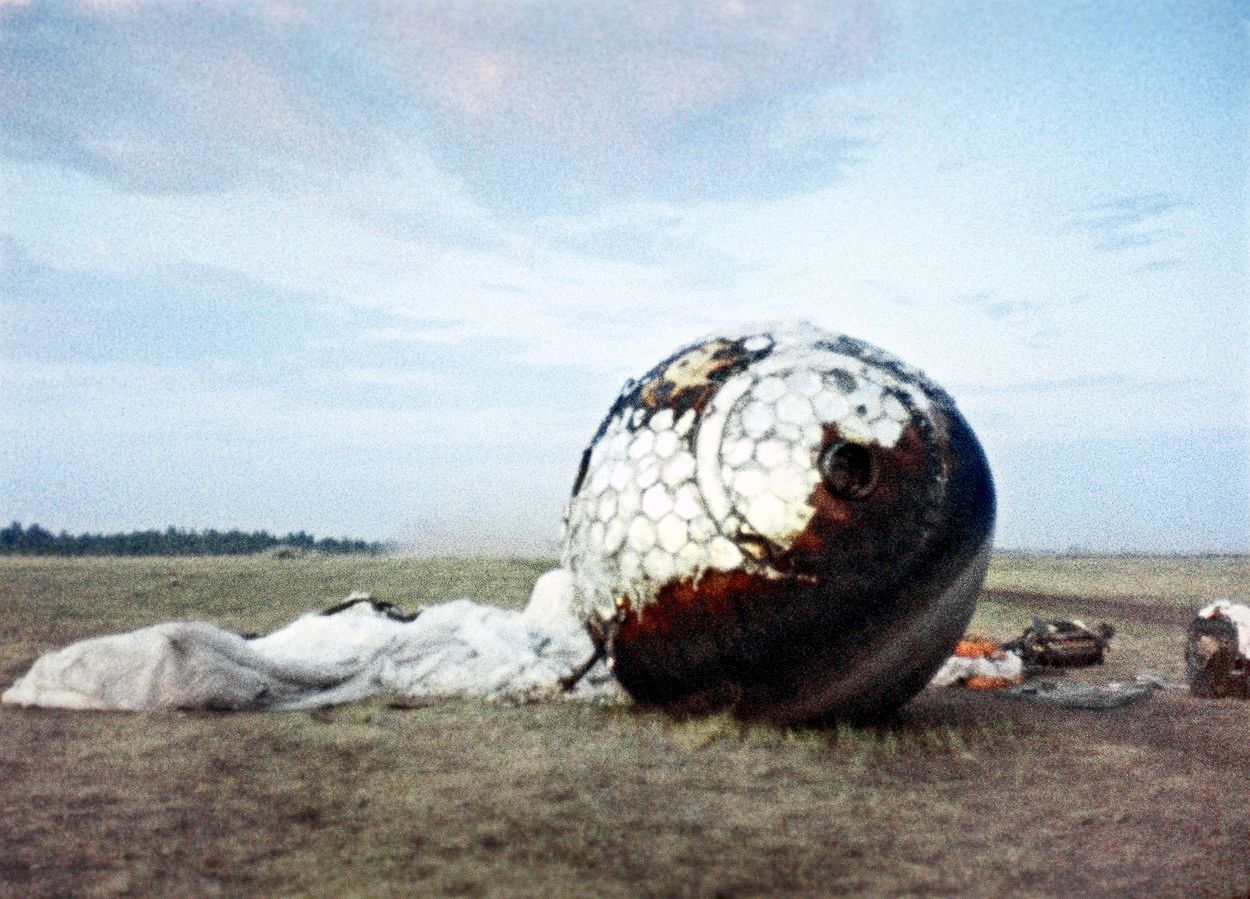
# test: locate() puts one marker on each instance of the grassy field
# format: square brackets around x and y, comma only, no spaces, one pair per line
[962,794]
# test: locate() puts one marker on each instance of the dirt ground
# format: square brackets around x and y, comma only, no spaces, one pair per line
[961,794]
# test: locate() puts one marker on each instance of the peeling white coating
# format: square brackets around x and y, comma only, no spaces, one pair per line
[675,493]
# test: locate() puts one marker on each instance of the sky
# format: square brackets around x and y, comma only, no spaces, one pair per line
[378,269]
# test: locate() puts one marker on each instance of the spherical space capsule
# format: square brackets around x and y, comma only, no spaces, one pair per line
[787,523]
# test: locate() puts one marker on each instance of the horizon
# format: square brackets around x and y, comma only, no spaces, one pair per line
[400,550]
[380,270]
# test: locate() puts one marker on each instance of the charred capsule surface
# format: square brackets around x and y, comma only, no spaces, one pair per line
[788,523]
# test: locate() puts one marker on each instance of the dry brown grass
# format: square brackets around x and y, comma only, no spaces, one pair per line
[962,794]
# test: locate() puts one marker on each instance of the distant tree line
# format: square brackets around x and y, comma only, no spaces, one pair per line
[38,541]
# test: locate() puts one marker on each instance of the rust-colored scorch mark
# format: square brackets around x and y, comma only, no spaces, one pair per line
[689,381]
[682,603]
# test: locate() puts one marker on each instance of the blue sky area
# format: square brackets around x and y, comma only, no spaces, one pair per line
[377,269]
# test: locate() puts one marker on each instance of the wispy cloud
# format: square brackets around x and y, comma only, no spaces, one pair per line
[530,105]
[1161,265]
[1131,222]
[701,99]
[650,236]
[177,98]
[1000,308]
[553,74]
[186,314]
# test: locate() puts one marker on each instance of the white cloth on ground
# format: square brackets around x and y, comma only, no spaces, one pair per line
[458,648]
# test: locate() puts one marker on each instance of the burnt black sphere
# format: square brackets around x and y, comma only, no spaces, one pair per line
[787,523]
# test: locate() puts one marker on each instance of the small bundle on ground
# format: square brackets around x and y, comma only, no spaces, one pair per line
[1062,644]
[979,663]
[1217,651]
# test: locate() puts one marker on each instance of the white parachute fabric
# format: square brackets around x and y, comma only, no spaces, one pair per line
[362,649]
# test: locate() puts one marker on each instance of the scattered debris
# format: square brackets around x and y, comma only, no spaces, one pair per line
[362,647]
[1156,681]
[1061,644]
[979,663]
[1217,651]
[1095,697]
